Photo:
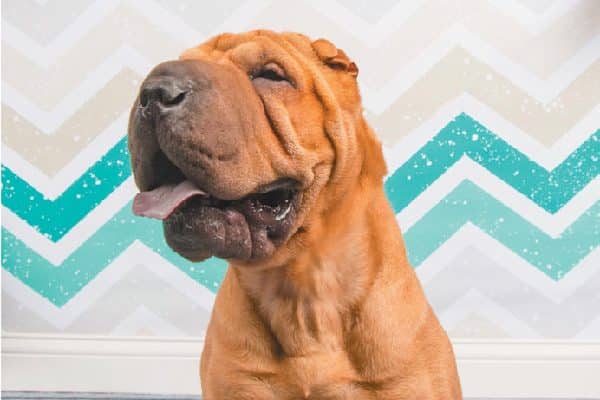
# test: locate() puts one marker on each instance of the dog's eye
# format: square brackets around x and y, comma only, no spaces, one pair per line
[271,72]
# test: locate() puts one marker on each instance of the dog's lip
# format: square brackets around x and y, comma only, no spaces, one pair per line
[279,184]
[165,199]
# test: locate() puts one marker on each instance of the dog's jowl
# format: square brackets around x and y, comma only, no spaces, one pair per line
[253,147]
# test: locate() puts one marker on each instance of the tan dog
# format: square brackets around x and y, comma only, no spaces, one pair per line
[253,148]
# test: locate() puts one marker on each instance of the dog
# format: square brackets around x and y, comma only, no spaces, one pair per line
[253,147]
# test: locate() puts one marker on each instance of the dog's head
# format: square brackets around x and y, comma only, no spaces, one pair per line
[233,144]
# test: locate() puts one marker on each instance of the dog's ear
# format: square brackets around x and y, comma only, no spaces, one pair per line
[334,57]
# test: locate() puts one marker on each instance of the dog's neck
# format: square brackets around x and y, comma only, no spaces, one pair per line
[317,294]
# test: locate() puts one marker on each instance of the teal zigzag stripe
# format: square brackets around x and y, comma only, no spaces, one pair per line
[54,218]
[467,202]
[462,136]
[60,283]
[465,136]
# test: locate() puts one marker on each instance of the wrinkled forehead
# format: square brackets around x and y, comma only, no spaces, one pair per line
[227,43]
[256,47]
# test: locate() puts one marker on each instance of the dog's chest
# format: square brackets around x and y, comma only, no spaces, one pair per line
[328,376]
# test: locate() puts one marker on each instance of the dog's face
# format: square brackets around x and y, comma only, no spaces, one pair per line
[232,144]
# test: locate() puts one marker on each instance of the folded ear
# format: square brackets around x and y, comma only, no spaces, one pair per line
[334,57]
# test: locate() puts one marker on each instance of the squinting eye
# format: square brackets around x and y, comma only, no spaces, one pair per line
[272,72]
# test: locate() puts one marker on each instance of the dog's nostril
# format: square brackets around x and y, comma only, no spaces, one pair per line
[144,98]
[167,95]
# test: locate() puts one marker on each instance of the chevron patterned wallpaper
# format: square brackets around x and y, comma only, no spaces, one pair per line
[489,112]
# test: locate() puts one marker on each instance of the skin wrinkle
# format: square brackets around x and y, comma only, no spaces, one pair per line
[279,52]
[292,128]
[293,65]
[338,161]
[191,147]
[338,292]
[281,138]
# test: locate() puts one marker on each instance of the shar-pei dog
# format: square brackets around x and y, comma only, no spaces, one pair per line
[253,148]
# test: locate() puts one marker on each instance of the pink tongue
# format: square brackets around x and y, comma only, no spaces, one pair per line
[162,201]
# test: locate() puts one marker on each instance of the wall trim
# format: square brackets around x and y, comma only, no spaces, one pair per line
[488,368]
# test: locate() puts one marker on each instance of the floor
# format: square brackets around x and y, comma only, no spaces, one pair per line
[116,396]
[90,396]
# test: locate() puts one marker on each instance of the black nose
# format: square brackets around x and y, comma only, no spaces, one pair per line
[164,91]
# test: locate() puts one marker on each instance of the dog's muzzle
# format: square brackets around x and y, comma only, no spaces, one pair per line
[183,142]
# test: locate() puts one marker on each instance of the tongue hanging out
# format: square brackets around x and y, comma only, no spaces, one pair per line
[198,225]
[162,201]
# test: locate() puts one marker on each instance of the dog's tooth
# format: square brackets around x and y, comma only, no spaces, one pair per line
[281,216]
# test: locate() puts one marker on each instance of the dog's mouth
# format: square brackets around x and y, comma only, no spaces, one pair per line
[198,225]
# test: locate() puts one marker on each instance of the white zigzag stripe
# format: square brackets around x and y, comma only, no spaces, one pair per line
[472,269]
[45,55]
[533,22]
[548,158]
[470,235]
[142,318]
[467,236]
[57,252]
[551,224]
[369,34]
[61,317]
[173,25]
[590,332]
[49,121]
[376,100]
[373,35]
[475,302]
[170,23]
[52,187]
[152,11]
[544,90]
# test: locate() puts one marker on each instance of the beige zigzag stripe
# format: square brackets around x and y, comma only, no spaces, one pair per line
[543,52]
[47,86]
[459,72]
[24,14]
[124,26]
[51,153]
[450,78]
[423,29]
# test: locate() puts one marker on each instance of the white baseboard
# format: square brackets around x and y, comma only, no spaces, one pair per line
[494,369]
